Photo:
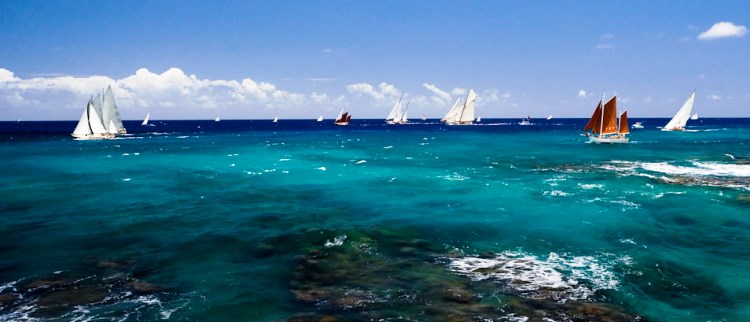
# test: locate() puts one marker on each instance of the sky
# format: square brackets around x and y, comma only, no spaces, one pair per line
[300,59]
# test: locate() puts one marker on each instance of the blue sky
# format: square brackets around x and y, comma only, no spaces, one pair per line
[301,59]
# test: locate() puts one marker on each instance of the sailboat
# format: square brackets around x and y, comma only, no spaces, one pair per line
[526,121]
[276,119]
[462,114]
[479,119]
[217,119]
[678,122]
[90,126]
[638,125]
[424,117]
[395,116]
[694,117]
[549,117]
[343,118]
[145,120]
[320,118]
[110,114]
[604,127]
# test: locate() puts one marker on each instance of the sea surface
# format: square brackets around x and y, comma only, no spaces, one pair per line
[306,221]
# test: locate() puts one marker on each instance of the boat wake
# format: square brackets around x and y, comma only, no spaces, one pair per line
[557,277]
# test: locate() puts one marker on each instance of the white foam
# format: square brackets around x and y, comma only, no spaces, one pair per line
[338,241]
[361,161]
[590,186]
[322,168]
[557,193]
[126,179]
[568,277]
[388,147]
[699,169]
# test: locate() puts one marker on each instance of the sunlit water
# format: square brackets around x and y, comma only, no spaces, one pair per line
[250,220]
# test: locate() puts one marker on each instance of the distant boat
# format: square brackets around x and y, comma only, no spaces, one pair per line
[637,125]
[343,118]
[461,114]
[276,119]
[396,116]
[145,120]
[549,117]
[526,121]
[678,122]
[694,117]
[479,119]
[424,118]
[217,119]
[603,124]
[320,118]
[90,126]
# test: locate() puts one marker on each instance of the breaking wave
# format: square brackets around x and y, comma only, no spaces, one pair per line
[558,277]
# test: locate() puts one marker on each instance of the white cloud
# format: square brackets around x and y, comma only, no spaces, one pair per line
[327,51]
[186,95]
[318,98]
[607,36]
[459,91]
[582,94]
[715,97]
[723,29]
[605,46]
[648,100]
[7,76]
[442,95]
[320,79]
[384,91]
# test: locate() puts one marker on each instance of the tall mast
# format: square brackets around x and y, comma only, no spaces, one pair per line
[601,124]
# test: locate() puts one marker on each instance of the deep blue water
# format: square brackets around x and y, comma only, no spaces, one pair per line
[307,221]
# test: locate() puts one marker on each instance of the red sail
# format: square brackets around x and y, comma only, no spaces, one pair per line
[624,127]
[595,119]
[609,120]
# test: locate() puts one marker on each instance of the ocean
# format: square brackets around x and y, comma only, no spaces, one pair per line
[304,221]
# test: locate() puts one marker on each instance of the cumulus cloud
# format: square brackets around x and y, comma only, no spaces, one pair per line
[173,89]
[442,95]
[723,29]
[715,97]
[582,94]
[384,91]
[459,91]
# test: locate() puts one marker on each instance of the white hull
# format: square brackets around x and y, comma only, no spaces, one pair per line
[342,123]
[524,123]
[609,140]
[104,136]
[459,123]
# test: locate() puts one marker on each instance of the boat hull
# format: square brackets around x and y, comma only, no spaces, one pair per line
[609,140]
[459,123]
[93,136]
[341,123]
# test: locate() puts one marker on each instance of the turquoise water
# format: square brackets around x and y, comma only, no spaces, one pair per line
[247,220]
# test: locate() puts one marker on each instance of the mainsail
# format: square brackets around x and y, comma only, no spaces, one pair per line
[110,112]
[680,119]
[395,114]
[467,115]
[609,119]
[145,120]
[83,128]
[95,122]
[450,116]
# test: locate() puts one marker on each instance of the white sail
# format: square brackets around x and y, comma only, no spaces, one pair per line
[83,128]
[338,118]
[404,117]
[479,119]
[276,119]
[450,116]
[467,115]
[112,129]
[95,122]
[145,120]
[98,104]
[680,119]
[217,119]
[110,112]
[395,113]
[549,117]
[694,117]
[320,118]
